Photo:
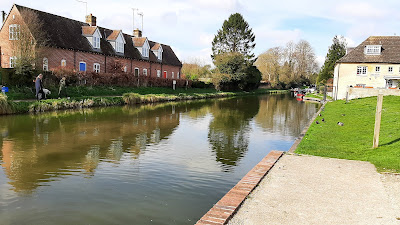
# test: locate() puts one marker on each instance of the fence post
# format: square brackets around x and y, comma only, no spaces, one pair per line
[378,117]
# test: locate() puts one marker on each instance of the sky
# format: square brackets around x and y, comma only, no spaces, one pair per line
[189,26]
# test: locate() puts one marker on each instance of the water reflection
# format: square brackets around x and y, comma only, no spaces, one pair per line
[229,129]
[280,114]
[38,149]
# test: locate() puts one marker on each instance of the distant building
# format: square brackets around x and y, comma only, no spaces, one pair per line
[374,64]
[86,47]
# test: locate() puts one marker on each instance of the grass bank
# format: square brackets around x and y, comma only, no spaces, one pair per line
[24,93]
[8,106]
[354,139]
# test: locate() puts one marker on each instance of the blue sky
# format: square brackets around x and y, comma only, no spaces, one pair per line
[189,26]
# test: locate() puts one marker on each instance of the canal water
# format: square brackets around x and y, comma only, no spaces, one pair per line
[150,164]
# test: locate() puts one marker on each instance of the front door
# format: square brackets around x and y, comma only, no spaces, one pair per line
[165,74]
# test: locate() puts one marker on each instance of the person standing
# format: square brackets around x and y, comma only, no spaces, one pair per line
[62,92]
[39,87]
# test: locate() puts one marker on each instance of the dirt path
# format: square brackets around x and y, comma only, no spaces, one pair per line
[315,190]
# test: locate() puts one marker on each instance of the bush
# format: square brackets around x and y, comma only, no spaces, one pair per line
[201,84]
[234,72]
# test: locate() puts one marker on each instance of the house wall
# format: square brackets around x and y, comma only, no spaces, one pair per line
[345,74]
[368,92]
[6,45]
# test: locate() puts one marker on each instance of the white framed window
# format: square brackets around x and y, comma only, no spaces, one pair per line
[125,69]
[136,72]
[390,69]
[178,76]
[96,42]
[14,31]
[173,75]
[45,64]
[144,72]
[119,47]
[82,66]
[361,70]
[96,67]
[377,69]
[158,73]
[63,63]
[13,60]
[373,49]
[159,54]
[145,51]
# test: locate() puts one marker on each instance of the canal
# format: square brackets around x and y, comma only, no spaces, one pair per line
[149,164]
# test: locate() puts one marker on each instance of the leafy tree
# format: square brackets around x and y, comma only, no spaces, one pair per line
[28,47]
[336,51]
[234,36]
[234,72]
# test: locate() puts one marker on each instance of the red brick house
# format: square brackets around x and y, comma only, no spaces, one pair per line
[86,47]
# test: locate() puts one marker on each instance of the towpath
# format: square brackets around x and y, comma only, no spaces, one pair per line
[315,190]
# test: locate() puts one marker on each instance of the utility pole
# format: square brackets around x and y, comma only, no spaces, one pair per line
[141,14]
[84,3]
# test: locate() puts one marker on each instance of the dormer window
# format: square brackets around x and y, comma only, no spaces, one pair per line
[96,42]
[142,45]
[117,40]
[120,47]
[93,35]
[158,51]
[373,49]
[145,51]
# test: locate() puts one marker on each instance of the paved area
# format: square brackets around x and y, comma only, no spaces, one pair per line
[315,190]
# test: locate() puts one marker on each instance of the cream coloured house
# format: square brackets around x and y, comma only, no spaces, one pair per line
[373,65]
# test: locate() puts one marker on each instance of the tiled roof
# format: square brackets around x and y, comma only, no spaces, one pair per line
[390,52]
[88,30]
[139,41]
[67,33]
[114,35]
[155,47]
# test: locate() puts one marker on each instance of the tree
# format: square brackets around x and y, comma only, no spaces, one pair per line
[269,64]
[234,72]
[289,66]
[195,69]
[336,51]
[28,47]
[234,36]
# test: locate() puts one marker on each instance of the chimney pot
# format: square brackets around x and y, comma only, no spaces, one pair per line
[137,33]
[91,20]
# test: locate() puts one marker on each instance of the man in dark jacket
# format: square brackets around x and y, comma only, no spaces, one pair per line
[39,88]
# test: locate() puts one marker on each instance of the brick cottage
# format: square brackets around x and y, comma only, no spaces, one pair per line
[86,47]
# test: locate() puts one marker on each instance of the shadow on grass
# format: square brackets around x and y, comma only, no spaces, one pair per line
[392,142]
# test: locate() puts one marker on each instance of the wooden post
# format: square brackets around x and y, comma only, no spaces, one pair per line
[378,116]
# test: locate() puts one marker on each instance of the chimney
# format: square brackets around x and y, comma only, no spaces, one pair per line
[3,16]
[137,33]
[91,20]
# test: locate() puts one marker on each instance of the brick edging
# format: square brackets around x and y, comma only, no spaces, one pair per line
[298,140]
[228,205]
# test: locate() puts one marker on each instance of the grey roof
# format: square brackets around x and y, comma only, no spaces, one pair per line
[390,52]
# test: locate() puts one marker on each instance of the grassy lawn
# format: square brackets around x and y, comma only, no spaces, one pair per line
[354,139]
[318,96]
